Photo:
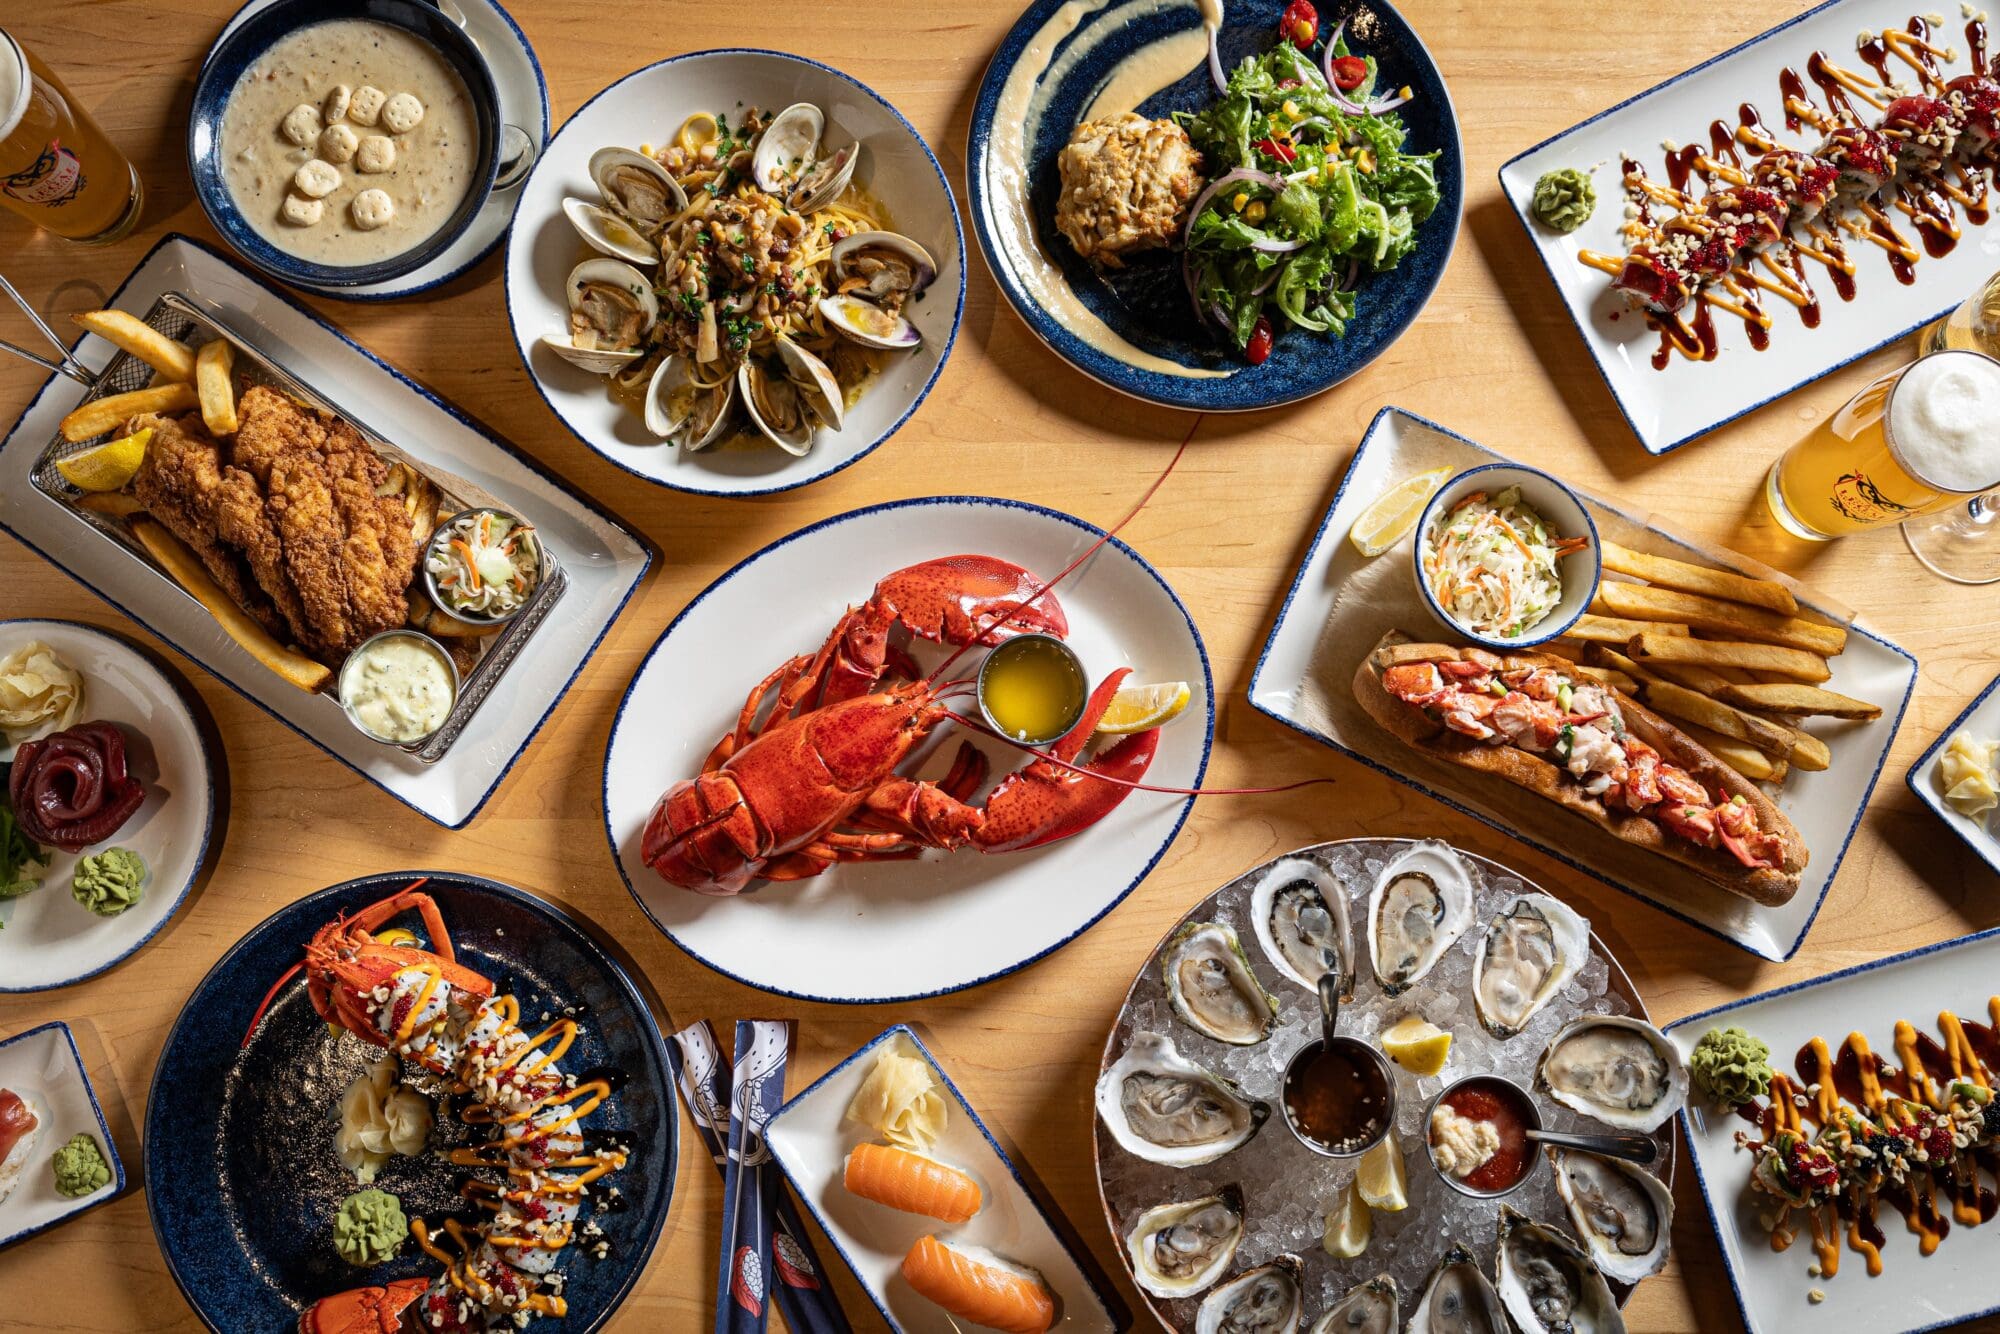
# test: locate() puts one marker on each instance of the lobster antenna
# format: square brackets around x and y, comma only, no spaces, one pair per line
[1006,614]
[979,725]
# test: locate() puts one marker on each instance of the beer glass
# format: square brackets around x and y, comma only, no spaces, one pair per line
[57,169]
[1915,442]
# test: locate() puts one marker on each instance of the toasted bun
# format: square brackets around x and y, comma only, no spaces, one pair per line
[1529,770]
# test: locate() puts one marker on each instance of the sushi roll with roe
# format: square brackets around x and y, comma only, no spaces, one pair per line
[1865,159]
[1974,100]
[974,1284]
[1805,183]
[1923,130]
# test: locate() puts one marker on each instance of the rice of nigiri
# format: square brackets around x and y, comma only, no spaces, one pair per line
[974,1284]
[18,1132]
[910,1182]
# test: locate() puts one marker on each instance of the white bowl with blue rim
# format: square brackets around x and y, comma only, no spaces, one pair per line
[645,108]
[1561,512]
[43,1067]
[243,45]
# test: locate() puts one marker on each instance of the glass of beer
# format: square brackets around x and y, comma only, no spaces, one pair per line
[57,169]
[1916,442]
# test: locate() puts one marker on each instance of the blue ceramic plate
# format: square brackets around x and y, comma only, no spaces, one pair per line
[1148,304]
[245,43]
[241,1176]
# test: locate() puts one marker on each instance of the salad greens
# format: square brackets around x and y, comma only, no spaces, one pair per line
[1305,197]
[16,852]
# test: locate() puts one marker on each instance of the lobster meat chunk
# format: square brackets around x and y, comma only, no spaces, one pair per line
[816,783]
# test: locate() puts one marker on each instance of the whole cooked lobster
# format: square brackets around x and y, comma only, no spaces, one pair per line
[815,782]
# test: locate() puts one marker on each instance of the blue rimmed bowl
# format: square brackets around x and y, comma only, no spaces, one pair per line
[1147,305]
[242,1180]
[1565,516]
[243,45]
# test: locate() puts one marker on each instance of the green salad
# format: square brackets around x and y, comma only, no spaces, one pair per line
[1310,191]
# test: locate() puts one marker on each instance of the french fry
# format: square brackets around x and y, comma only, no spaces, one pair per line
[1707,680]
[175,360]
[1645,603]
[1609,676]
[1789,697]
[1665,573]
[115,504]
[1809,752]
[187,571]
[1744,758]
[216,385]
[1612,630]
[1677,700]
[1556,648]
[1794,663]
[95,418]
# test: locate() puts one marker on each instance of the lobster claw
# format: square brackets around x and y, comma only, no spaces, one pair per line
[955,598]
[362,1310]
[1045,802]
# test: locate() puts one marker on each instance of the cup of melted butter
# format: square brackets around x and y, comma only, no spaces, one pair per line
[399,687]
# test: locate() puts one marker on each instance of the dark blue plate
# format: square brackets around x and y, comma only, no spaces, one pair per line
[1148,304]
[243,45]
[242,1181]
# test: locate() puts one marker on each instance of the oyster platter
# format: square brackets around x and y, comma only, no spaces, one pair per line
[1228,1218]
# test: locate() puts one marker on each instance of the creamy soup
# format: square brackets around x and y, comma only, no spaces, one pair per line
[349,142]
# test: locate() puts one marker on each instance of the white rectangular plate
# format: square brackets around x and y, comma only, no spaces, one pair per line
[603,559]
[1982,719]
[1690,398]
[1912,1292]
[1307,689]
[42,1066]
[810,1137]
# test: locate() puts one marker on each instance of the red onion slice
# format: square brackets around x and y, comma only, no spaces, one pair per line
[1215,61]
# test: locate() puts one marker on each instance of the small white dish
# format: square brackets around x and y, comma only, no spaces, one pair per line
[1980,832]
[43,1066]
[871,931]
[1913,1291]
[524,103]
[646,107]
[48,939]
[810,1137]
[1564,516]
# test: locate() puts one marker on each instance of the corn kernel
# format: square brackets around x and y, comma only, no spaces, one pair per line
[1365,160]
[1239,201]
[1255,213]
[1404,91]
[1291,109]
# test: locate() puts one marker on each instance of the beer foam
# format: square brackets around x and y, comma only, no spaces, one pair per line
[13,85]
[1944,421]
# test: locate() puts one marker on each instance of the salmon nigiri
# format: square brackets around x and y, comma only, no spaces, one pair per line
[974,1284]
[18,1133]
[911,1182]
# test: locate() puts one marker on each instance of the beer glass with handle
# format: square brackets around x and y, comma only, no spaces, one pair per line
[1918,447]
[57,169]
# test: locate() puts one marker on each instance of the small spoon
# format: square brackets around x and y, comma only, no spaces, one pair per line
[1329,1006]
[1641,1149]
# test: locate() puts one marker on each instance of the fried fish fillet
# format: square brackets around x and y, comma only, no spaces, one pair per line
[181,484]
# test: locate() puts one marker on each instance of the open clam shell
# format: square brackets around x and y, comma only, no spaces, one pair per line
[868,324]
[678,409]
[775,406]
[607,232]
[885,264]
[787,148]
[825,180]
[637,188]
[611,302]
[823,395]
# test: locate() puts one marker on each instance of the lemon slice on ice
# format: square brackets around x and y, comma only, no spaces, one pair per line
[1349,1225]
[1394,512]
[1136,708]
[109,466]
[1381,1180]
[1417,1045]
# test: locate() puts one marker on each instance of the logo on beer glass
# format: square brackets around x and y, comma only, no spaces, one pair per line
[51,180]
[1859,499]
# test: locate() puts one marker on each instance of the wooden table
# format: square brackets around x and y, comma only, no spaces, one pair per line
[1494,356]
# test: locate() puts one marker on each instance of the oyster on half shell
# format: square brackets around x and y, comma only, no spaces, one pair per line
[1624,1213]
[1532,948]
[1374,1307]
[1211,987]
[1264,1300]
[1179,1249]
[1547,1284]
[1164,1108]
[1298,909]
[1618,1069]
[1419,906]
[1458,1299]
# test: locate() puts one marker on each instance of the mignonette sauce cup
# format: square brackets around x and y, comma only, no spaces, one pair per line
[1339,1093]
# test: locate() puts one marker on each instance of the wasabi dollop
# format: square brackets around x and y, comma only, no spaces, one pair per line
[369,1228]
[108,882]
[1731,1066]
[1564,199]
[80,1168]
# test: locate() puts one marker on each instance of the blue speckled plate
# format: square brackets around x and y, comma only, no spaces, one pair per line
[241,1176]
[1148,304]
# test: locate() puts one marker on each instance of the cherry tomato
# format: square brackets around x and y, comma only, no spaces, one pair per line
[1348,72]
[1259,346]
[1282,152]
[1300,24]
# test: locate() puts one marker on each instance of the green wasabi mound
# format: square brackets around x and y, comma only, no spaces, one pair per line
[108,882]
[369,1228]
[1564,199]
[80,1168]
[1731,1066]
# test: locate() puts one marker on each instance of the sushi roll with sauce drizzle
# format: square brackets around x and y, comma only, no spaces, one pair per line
[1865,159]
[1923,130]
[1974,100]
[1805,183]
[19,1132]
[1752,218]
[976,1285]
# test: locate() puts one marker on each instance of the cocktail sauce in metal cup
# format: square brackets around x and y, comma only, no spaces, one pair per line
[1512,1111]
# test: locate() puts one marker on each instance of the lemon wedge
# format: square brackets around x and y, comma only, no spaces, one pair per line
[1136,708]
[1381,1180]
[1394,512]
[1417,1045]
[397,935]
[109,466]
[1349,1225]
